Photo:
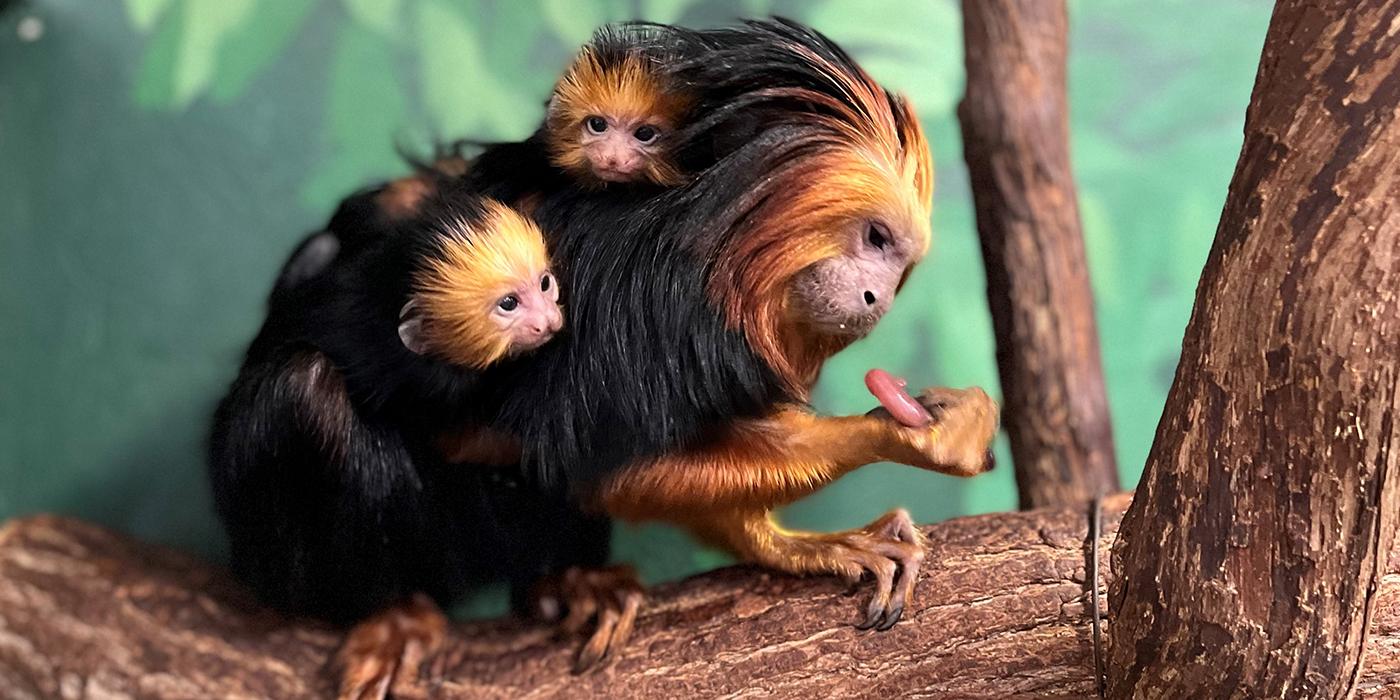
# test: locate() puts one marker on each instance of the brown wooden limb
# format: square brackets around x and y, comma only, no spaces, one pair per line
[1016,143]
[999,613]
[1254,556]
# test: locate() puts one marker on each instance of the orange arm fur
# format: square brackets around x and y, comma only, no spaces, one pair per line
[757,465]
[724,492]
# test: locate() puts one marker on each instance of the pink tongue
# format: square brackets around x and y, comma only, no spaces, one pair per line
[889,391]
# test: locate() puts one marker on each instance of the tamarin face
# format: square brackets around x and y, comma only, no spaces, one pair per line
[526,312]
[619,147]
[844,295]
[611,117]
[822,243]
[487,293]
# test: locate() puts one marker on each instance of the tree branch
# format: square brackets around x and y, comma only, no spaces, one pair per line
[87,613]
[1016,143]
[1254,555]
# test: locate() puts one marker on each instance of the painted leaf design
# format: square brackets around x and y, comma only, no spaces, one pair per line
[383,16]
[464,98]
[364,115]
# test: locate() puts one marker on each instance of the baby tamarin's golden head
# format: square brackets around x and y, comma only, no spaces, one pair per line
[486,293]
[612,115]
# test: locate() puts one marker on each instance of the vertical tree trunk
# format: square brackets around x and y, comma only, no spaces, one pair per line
[1016,143]
[1250,560]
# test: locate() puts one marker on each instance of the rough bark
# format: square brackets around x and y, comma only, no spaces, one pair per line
[1000,614]
[1252,560]
[1016,143]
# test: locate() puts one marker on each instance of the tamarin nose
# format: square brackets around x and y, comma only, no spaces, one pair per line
[869,298]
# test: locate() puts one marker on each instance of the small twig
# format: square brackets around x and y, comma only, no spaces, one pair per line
[1096,531]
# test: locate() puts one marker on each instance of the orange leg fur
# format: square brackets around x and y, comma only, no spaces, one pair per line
[768,462]
[725,491]
[454,166]
[890,550]
[403,197]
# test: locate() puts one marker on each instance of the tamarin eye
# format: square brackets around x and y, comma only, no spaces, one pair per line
[544,283]
[646,134]
[596,125]
[508,302]
[876,237]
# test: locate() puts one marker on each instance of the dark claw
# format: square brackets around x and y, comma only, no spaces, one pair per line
[584,663]
[590,658]
[872,618]
[991,460]
[891,616]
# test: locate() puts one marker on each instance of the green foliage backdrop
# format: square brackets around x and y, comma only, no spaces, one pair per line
[158,159]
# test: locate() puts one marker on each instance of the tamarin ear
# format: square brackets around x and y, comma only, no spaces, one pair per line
[311,258]
[411,328]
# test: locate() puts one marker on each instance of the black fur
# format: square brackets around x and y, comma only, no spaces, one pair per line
[505,171]
[358,221]
[323,461]
[649,366]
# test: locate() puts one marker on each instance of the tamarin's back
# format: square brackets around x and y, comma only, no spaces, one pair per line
[647,365]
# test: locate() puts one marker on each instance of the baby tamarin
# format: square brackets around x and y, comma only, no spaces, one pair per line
[612,116]
[486,293]
[323,455]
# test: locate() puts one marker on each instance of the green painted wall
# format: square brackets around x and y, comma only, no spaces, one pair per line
[158,159]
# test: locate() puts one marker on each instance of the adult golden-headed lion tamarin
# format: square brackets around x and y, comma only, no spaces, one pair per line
[701,316]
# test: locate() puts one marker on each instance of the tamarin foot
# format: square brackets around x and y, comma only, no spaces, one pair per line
[890,549]
[389,645]
[610,595]
[894,537]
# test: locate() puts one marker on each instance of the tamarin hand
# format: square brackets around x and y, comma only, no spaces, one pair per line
[956,437]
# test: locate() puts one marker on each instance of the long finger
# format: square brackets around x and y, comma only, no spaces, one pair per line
[883,570]
[597,645]
[631,605]
[581,600]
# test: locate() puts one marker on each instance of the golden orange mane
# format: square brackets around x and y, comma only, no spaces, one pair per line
[860,154]
[627,89]
[477,262]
